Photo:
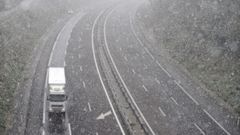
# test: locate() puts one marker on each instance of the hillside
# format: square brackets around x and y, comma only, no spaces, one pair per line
[201,35]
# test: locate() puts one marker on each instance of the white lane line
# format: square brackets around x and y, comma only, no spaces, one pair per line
[141,43]
[60,34]
[43,132]
[55,43]
[157,80]
[209,115]
[64,64]
[65,52]
[186,93]
[150,54]
[135,34]
[45,99]
[146,90]
[238,121]
[174,101]
[54,46]
[44,108]
[125,58]
[69,128]
[100,77]
[81,69]
[89,107]
[169,75]
[96,133]
[162,112]
[125,86]
[133,71]
[137,55]
[202,132]
[84,85]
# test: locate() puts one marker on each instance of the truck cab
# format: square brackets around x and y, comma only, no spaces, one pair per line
[57,99]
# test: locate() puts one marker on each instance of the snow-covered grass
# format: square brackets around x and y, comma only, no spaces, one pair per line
[203,36]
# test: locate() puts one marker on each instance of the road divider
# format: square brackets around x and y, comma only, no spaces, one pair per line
[99,75]
[122,81]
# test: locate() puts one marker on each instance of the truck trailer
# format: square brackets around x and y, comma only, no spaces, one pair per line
[57,99]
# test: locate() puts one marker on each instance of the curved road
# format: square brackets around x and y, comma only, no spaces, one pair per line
[109,65]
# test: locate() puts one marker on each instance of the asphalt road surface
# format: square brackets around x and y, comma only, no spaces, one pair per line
[117,84]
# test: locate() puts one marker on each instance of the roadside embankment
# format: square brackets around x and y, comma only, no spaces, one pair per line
[202,36]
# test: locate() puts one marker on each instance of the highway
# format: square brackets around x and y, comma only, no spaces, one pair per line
[118,84]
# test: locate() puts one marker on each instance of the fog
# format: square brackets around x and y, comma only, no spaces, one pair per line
[131,67]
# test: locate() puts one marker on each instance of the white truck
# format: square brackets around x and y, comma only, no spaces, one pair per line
[56,97]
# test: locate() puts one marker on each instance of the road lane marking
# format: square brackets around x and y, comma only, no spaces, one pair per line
[125,58]
[43,132]
[65,52]
[202,132]
[125,86]
[69,128]
[141,43]
[135,34]
[99,75]
[103,115]
[174,101]
[169,75]
[146,90]
[45,99]
[162,112]
[81,69]
[209,115]
[64,64]
[150,54]
[133,71]
[79,56]
[55,43]
[157,80]
[54,46]
[44,109]
[84,85]
[186,93]
[89,107]
[238,121]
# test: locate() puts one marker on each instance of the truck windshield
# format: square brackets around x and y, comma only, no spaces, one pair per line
[57,97]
